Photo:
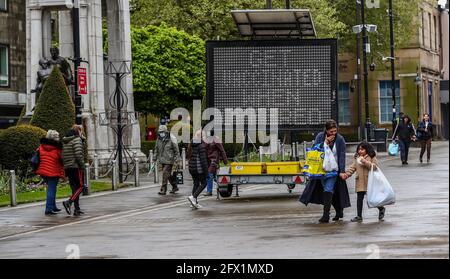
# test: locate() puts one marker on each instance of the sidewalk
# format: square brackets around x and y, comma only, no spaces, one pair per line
[30,217]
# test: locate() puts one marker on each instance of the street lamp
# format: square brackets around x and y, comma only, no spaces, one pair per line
[77,59]
[418,82]
[366,49]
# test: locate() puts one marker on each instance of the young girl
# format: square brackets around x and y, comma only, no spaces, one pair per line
[365,158]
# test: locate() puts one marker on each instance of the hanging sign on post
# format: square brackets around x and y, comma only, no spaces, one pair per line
[82,81]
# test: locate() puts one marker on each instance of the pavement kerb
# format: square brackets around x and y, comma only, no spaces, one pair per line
[93,195]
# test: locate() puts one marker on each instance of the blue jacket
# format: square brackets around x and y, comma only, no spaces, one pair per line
[340,148]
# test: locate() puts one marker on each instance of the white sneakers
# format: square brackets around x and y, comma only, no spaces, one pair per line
[194,203]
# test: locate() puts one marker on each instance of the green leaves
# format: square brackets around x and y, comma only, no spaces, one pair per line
[168,68]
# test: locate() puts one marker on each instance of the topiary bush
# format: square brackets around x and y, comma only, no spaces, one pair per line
[54,109]
[17,144]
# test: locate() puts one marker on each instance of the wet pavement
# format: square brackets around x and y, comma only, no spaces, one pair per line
[265,221]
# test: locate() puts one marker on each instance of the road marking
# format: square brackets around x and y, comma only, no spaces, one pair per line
[123,214]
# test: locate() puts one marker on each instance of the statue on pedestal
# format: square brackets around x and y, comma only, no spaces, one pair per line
[42,75]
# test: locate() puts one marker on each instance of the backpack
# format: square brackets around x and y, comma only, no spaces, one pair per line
[35,160]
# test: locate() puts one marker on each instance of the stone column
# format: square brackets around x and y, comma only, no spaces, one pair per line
[65,33]
[35,51]
[46,33]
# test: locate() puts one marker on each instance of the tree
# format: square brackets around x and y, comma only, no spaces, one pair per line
[168,69]
[211,19]
[54,109]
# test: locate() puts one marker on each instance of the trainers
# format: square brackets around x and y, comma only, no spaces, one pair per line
[56,209]
[161,193]
[420,160]
[78,212]
[67,205]
[174,190]
[357,219]
[51,212]
[198,206]
[193,201]
[207,194]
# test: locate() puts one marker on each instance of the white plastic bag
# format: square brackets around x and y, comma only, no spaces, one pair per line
[329,162]
[379,190]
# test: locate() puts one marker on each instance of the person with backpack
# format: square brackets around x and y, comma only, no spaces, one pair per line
[73,160]
[50,168]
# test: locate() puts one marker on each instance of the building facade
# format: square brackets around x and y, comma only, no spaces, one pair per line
[419,69]
[13,80]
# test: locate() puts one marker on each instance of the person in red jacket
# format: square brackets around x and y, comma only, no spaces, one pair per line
[50,168]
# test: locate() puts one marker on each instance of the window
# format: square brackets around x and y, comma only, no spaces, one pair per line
[430,31]
[344,103]
[435,34]
[4,62]
[386,100]
[423,30]
[3,5]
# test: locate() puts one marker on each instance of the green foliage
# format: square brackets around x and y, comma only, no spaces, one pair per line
[168,69]
[54,109]
[146,146]
[17,144]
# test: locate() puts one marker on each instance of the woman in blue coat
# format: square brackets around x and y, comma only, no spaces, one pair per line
[321,190]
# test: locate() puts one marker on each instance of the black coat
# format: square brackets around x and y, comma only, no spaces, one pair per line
[313,193]
[197,151]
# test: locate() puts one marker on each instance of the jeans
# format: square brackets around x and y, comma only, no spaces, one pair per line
[404,149]
[51,182]
[209,188]
[328,183]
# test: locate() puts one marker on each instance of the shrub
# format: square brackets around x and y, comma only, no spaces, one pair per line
[17,144]
[54,109]
[146,146]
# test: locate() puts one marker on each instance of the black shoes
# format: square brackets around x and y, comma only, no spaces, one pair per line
[381,213]
[161,193]
[174,190]
[78,212]
[420,160]
[404,163]
[207,194]
[67,206]
[51,212]
[327,197]
[357,219]
[56,209]
[338,216]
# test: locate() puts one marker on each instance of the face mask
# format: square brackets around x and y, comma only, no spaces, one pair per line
[162,134]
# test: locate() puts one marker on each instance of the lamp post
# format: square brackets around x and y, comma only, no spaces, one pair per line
[392,58]
[418,82]
[366,49]
[77,58]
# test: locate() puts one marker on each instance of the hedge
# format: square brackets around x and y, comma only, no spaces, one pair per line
[17,144]
[54,109]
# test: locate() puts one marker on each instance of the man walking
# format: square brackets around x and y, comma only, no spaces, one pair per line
[167,154]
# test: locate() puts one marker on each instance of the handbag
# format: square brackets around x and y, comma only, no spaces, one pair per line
[393,148]
[178,175]
[313,167]
[379,190]
[35,160]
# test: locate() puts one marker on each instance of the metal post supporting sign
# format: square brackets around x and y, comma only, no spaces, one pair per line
[82,81]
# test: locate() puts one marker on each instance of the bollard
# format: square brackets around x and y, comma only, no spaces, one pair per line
[155,173]
[12,188]
[297,154]
[114,175]
[292,151]
[260,153]
[282,152]
[136,172]
[87,178]
[150,161]
[95,166]
[304,150]
[183,157]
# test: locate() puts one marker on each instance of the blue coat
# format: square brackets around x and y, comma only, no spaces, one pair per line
[340,149]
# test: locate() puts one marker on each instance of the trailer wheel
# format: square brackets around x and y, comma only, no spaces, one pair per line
[226,191]
[290,187]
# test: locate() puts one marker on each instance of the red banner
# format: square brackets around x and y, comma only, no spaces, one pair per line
[82,81]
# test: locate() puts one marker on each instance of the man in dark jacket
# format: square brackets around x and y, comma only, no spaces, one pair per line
[73,161]
[330,137]
[405,133]
[216,152]
[167,154]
